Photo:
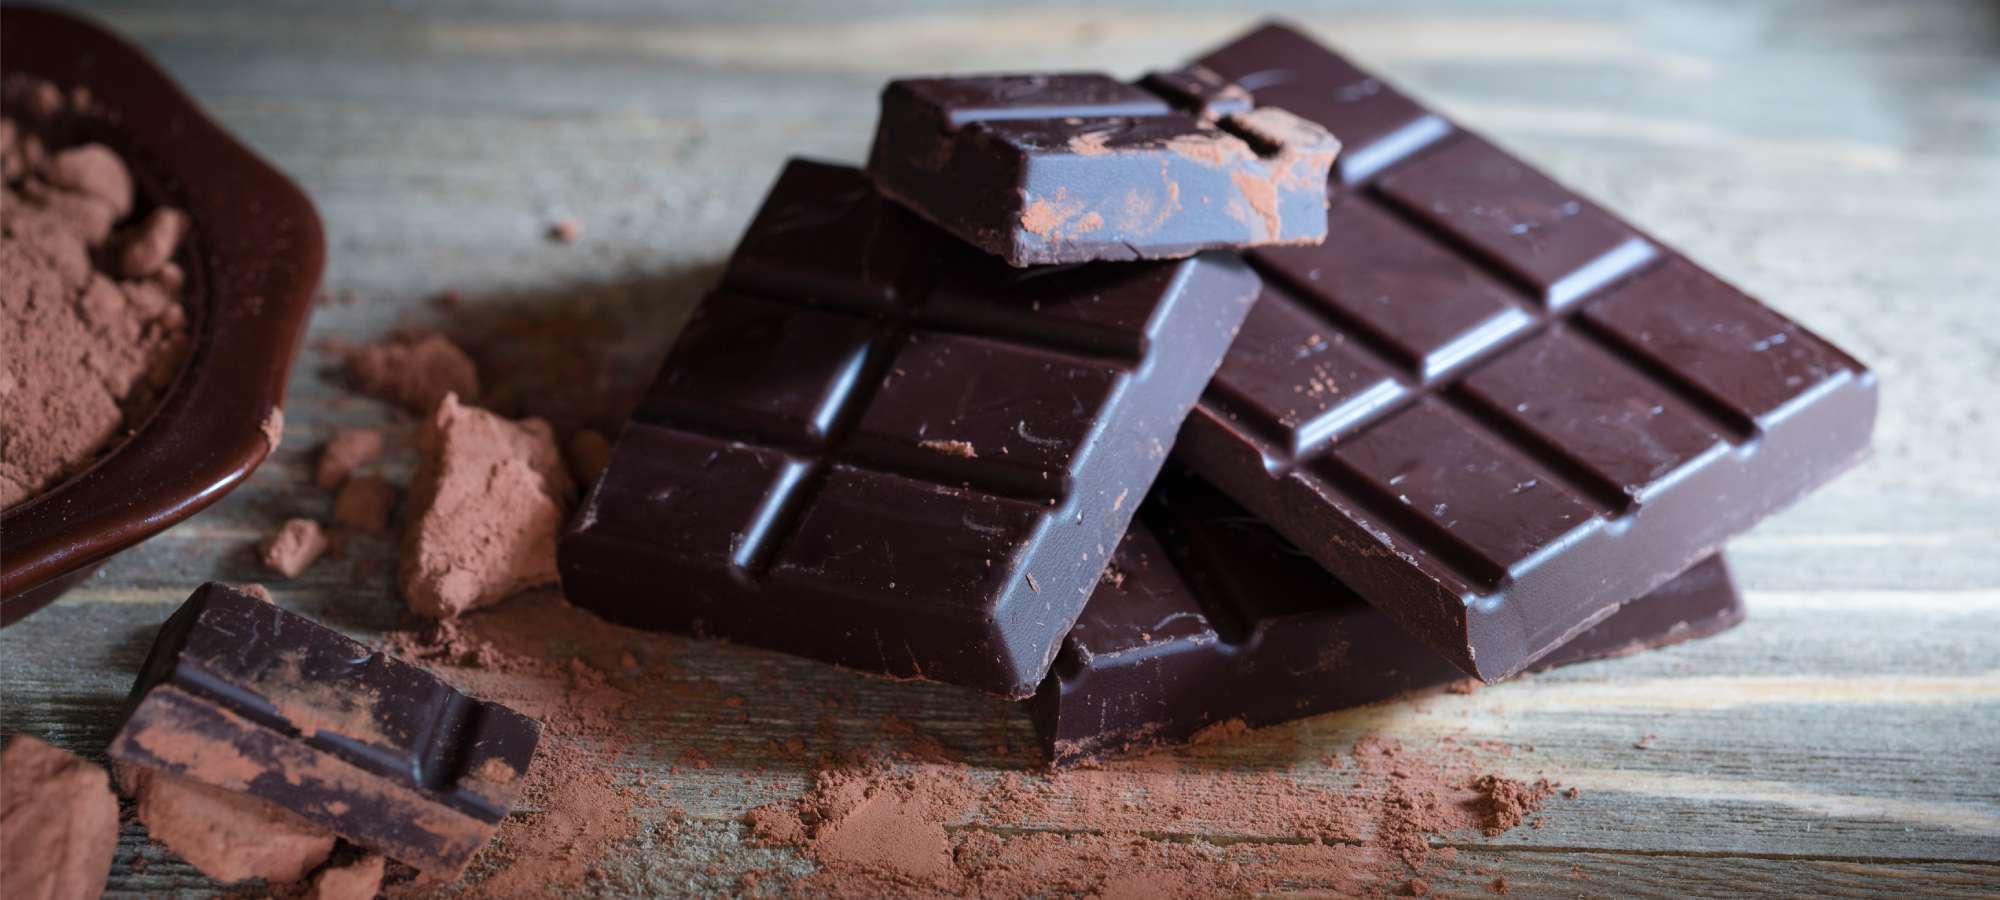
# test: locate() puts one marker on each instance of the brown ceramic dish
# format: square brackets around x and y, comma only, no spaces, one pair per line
[253,259]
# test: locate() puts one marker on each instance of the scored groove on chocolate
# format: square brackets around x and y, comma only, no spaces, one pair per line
[1210,617]
[1492,407]
[875,445]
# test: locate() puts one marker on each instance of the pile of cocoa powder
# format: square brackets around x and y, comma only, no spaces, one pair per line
[90,298]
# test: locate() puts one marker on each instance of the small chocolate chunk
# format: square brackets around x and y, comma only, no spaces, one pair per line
[1042,169]
[246,699]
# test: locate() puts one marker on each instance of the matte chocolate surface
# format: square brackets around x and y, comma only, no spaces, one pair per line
[1219,619]
[244,696]
[876,446]
[1490,407]
[1040,169]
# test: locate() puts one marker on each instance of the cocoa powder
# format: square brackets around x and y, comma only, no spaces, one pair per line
[91,348]
[58,822]
[489,498]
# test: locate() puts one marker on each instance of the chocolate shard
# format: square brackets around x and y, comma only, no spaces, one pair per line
[1211,618]
[1490,407]
[876,446]
[241,695]
[1067,168]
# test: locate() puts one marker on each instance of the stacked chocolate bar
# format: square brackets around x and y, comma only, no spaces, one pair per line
[1423,412]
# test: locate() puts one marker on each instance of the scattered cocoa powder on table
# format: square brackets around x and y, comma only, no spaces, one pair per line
[575,811]
[414,370]
[1139,827]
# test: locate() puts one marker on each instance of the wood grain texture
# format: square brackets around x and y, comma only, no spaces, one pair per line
[1840,159]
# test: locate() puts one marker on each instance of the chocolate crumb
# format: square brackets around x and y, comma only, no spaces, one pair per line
[347,450]
[962,449]
[1504,802]
[273,427]
[357,880]
[364,503]
[414,371]
[565,231]
[589,453]
[295,546]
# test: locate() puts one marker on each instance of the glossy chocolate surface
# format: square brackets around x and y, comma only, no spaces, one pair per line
[244,696]
[1067,168]
[1209,617]
[1491,408]
[252,257]
[876,446]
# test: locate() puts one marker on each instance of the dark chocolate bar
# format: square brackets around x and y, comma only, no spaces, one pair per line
[1490,407]
[1220,620]
[244,696]
[1040,169]
[876,446]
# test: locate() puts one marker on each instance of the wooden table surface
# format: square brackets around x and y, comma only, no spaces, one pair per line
[1839,159]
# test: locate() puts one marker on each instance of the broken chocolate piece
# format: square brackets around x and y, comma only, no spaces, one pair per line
[1490,407]
[242,696]
[1041,169]
[876,446]
[1221,623]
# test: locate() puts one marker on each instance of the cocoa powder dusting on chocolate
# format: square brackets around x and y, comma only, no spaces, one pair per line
[1262,195]
[962,449]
